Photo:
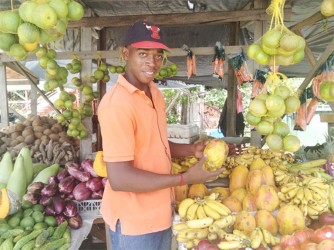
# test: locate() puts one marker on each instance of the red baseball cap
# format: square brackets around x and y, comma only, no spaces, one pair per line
[145,35]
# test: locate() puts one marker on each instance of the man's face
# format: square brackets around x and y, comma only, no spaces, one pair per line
[142,64]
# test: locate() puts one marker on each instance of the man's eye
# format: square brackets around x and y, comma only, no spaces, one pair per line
[159,57]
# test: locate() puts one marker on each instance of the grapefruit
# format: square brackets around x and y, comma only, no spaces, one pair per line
[282,91]
[60,7]
[281,129]
[18,52]
[9,21]
[258,108]
[264,128]
[327,91]
[28,33]
[292,104]
[253,50]
[276,114]
[274,103]
[291,143]
[252,119]
[272,38]
[6,41]
[44,16]
[75,11]
[274,142]
[26,10]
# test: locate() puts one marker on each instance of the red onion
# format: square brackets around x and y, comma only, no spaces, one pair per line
[80,192]
[60,219]
[87,166]
[58,204]
[97,195]
[104,181]
[75,222]
[77,174]
[70,197]
[70,209]
[66,185]
[45,201]
[61,175]
[94,184]
[49,210]
[35,187]
[72,165]
[49,190]
[53,180]
[33,198]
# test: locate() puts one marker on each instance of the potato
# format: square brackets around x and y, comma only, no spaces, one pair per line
[54,137]
[27,122]
[20,138]
[27,131]
[14,135]
[19,127]
[38,134]
[29,139]
[47,131]
[36,122]
[38,128]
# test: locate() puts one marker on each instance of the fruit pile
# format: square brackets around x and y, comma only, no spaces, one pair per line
[265,112]
[167,71]
[36,23]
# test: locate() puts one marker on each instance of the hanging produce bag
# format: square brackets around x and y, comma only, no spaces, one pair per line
[301,114]
[241,71]
[218,61]
[279,45]
[258,83]
[191,62]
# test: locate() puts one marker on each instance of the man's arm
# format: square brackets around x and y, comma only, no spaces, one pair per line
[182,150]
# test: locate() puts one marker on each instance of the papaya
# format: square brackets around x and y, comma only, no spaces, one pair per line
[198,191]
[4,203]
[181,193]
[238,177]
[99,165]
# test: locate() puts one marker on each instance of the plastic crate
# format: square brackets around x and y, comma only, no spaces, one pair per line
[89,207]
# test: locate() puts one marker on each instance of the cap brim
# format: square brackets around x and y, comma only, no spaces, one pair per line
[150,45]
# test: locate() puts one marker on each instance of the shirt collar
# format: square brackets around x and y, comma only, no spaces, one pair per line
[122,81]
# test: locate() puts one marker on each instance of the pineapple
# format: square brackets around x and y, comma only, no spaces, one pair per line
[329,148]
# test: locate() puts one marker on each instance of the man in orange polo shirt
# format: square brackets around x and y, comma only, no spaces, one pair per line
[137,201]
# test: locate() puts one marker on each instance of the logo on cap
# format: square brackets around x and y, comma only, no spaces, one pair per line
[155,31]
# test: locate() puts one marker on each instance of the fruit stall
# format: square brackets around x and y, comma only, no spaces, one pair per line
[274,192]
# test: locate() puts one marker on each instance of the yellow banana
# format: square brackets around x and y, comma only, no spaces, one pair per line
[266,236]
[200,223]
[221,233]
[184,232]
[202,233]
[292,192]
[300,194]
[257,238]
[233,237]
[180,226]
[212,236]
[200,212]
[323,193]
[218,207]
[210,212]
[191,233]
[213,228]
[312,212]
[307,194]
[212,196]
[184,205]
[317,207]
[240,233]
[191,212]
[285,189]
[282,196]
[229,245]
[274,240]
[181,239]
[196,241]
[225,221]
[189,244]
[320,185]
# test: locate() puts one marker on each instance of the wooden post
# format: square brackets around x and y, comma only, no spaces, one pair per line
[33,99]
[3,96]
[86,71]
[232,87]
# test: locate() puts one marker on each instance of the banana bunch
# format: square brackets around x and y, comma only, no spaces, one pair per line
[310,195]
[283,177]
[180,165]
[235,240]
[191,232]
[331,197]
[192,209]
[261,236]
[270,158]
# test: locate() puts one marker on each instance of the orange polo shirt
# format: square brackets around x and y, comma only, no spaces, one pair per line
[135,130]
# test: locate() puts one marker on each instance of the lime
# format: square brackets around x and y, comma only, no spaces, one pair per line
[27,222]
[75,121]
[64,95]
[83,134]
[103,67]
[98,74]
[52,53]
[53,84]
[26,204]
[69,66]
[163,72]
[68,104]
[43,61]
[40,225]
[38,207]
[112,69]
[59,104]
[60,118]
[14,221]
[75,113]
[67,114]
[28,212]
[37,216]
[92,79]
[87,90]
[50,221]
[106,78]
[119,69]
[173,67]
[72,97]
[75,132]
[4,228]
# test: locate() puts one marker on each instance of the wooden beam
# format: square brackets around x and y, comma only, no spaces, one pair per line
[307,22]
[324,56]
[175,52]
[176,19]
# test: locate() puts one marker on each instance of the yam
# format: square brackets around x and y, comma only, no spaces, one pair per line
[44,119]
[14,135]
[52,121]
[29,139]
[56,128]
[13,143]
[45,138]
[37,141]
[32,117]
[47,131]
[36,122]
[38,128]
[63,134]
[19,127]
[27,131]
[20,138]
[54,137]
[38,134]
[27,123]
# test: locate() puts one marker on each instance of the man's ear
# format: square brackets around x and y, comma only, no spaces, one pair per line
[125,53]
